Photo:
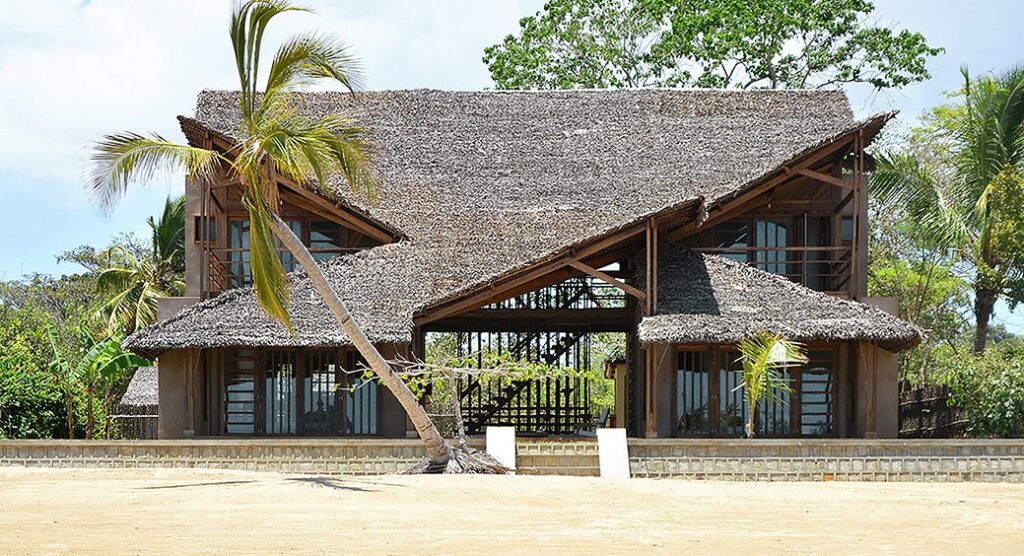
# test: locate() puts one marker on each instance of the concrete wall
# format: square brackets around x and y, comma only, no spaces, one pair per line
[173,369]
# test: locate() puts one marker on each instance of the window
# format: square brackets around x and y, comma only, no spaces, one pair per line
[731,237]
[211,229]
[714,403]
[298,392]
[240,392]
[325,241]
[817,399]
[692,394]
[771,238]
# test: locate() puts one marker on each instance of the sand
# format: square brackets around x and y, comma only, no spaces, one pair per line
[128,511]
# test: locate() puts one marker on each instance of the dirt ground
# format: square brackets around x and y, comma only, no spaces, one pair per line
[53,511]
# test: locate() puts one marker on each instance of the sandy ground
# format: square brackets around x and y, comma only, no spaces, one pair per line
[52,511]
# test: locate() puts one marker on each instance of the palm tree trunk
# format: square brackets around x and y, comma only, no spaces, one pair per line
[437,448]
[69,401]
[90,419]
[984,304]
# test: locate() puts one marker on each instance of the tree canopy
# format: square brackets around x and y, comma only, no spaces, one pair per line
[706,43]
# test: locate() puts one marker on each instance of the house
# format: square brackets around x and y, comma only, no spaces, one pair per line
[529,222]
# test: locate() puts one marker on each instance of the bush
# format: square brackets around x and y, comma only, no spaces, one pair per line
[990,388]
[30,404]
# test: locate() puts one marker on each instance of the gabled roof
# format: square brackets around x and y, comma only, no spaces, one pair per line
[709,299]
[486,184]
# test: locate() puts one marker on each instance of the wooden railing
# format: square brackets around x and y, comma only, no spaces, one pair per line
[222,275]
[826,269]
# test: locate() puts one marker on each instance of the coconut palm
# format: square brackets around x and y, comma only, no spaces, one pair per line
[275,140]
[764,356]
[964,189]
[131,284]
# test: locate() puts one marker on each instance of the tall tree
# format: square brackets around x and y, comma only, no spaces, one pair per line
[131,283]
[706,43]
[961,185]
[275,140]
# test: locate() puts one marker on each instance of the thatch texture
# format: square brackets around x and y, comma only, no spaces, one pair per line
[709,299]
[142,390]
[484,184]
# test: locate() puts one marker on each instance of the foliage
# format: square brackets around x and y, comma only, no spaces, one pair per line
[101,367]
[276,139]
[130,284]
[990,387]
[959,184]
[764,356]
[706,43]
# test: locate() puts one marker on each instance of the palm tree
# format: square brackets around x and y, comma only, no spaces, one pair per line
[964,191]
[275,140]
[131,284]
[764,356]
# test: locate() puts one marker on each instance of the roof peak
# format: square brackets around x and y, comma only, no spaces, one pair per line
[569,92]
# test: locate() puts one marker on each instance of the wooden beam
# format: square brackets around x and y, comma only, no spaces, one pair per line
[825,178]
[726,209]
[491,292]
[356,221]
[615,319]
[608,279]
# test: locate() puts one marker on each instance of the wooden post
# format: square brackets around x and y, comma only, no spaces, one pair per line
[871,389]
[651,303]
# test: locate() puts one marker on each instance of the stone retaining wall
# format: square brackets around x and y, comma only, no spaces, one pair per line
[769,460]
[825,460]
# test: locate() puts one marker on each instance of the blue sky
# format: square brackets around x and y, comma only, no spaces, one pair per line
[72,70]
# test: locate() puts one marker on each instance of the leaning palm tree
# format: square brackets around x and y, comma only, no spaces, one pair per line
[963,188]
[764,357]
[274,140]
[130,284]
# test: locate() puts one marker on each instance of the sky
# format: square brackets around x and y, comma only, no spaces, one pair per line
[71,70]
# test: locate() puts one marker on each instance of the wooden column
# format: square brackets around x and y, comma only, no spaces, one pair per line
[859,256]
[651,308]
[869,353]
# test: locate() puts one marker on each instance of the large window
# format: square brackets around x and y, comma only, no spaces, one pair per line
[324,239]
[297,392]
[799,248]
[710,399]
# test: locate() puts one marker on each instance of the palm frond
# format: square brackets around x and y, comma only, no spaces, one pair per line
[904,181]
[249,20]
[121,159]
[169,234]
[269,280]
[304,150]
[307,57]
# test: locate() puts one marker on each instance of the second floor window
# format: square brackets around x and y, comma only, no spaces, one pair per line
[323,238]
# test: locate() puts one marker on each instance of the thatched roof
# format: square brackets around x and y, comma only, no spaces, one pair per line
[142,390]
[485,184]
[709,299]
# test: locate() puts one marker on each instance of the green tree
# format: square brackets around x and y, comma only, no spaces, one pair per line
[275,140]
[706,43]
[960,183]
[764,356]
[130,284]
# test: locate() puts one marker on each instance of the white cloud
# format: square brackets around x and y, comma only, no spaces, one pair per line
[70,72]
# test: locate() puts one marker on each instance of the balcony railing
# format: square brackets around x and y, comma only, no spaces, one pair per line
[827,269]
[229,267]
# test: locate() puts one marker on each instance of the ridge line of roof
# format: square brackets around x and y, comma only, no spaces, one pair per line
[623,90]
[879,118]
